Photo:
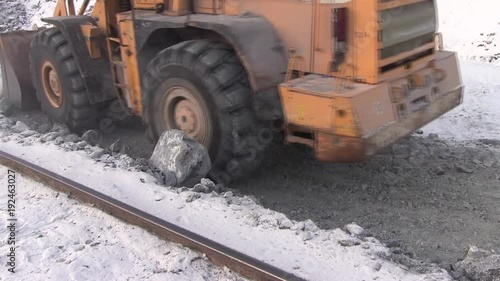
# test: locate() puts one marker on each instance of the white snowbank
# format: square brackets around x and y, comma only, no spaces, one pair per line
[62,239]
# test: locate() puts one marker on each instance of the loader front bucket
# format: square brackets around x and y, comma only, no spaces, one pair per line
[15,83]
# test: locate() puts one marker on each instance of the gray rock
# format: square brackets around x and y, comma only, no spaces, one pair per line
[59,140]
[218,188]
[208,183]
[286,224]
[61,129]
[193,196]
[6,123]
[6,107]
[20,127]
[479,265]
[309,225]
[298,226]
[71,138]
[181,154]
[201,188]
[463,169]
[141,162]
[433,136]
[116,147]
[439,171]
[81,145]
[49,136]
[228,194]
[28,133]
[397,251]
[96,154]
[92,137]
[71,147]
[354,229]
[44,128]
[349,242]
[377,266]
[455,274]
[307,235]
[168,178]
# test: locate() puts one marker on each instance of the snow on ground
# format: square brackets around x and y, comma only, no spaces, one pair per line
[479,115]
[239,223]
[62,239]
[472,28]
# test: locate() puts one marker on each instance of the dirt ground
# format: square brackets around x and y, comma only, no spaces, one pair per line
[425,197]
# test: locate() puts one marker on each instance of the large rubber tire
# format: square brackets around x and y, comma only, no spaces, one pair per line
[51,52]
[213,73]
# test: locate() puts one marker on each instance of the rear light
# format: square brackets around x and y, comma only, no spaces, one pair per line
[339,36]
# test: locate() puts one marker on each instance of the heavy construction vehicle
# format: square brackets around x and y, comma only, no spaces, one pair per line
[345,77]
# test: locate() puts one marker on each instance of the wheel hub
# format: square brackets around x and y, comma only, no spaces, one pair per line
[183,111]
[52,85]
[186,117]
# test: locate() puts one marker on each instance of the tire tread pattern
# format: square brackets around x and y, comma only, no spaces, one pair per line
[226,83]
[79,114]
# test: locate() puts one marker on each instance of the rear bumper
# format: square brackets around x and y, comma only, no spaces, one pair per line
[336,148]
[348,122]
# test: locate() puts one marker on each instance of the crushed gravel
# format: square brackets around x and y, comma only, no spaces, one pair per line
[433,197]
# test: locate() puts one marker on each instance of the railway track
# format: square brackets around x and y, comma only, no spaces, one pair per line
[219,254]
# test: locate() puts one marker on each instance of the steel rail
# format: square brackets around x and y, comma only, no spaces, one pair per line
[219,254]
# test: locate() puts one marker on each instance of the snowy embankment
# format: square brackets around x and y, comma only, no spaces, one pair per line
[61,239]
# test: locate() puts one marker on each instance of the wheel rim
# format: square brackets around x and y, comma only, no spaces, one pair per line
[182,110]
[52,85]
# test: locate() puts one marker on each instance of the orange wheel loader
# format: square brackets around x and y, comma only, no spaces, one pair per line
[345,77]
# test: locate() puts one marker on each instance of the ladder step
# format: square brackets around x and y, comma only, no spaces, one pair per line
[114,39]
[118,63]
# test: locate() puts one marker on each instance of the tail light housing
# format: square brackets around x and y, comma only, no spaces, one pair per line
[339,35]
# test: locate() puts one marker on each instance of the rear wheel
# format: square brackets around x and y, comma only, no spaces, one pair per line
[59,85]
[201,88]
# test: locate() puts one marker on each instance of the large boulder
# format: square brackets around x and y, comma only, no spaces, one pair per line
[182,160]
[479,265]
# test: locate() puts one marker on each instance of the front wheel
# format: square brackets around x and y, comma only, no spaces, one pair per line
[60,87]
[201,88]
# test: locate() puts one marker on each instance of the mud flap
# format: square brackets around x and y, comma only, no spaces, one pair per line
[16,82]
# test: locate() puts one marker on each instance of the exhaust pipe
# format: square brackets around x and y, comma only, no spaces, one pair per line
[15,83]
